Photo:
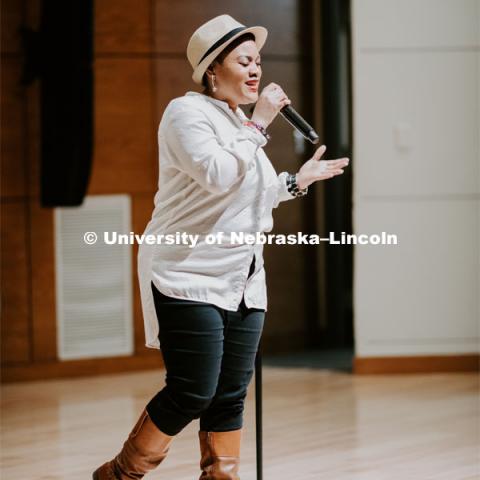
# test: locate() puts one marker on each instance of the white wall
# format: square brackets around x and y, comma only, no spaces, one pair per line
[416,100]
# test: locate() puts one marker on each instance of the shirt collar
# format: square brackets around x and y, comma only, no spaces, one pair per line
[222,104]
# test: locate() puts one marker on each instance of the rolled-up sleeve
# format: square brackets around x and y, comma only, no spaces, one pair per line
[216,164]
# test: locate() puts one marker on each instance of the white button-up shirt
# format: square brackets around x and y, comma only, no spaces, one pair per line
[214,177]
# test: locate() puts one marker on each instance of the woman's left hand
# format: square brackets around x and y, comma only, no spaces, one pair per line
[316,169]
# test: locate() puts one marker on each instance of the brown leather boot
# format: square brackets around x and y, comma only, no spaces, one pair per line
[220,454]
[144,449]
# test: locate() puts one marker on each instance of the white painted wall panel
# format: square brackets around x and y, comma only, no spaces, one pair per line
[420,296]
[419,112]
[416,24]
[416,127]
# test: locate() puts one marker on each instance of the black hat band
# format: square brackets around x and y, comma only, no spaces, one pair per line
[225,38]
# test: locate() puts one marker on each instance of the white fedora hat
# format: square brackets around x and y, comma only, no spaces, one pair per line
[212,37]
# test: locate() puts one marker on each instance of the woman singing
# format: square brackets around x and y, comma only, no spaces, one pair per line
[204,302]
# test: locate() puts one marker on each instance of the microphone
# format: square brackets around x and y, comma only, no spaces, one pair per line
[297,122]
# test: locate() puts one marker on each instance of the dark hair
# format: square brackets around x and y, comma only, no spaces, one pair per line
[223,54]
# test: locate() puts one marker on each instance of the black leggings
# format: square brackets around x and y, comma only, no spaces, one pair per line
[209,355]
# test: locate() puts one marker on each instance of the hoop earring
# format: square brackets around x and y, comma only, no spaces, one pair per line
[214,88]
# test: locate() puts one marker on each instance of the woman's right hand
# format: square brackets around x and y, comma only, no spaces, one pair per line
[269,103]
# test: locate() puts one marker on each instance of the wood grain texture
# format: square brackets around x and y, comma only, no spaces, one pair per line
[318,425]
[284,264]
[125,140]
[15,290]
[43,298]
[122,27]
[413,364]
[278,16]
[33,129]
[12,150]
[140,65]
[173,77]
[81,368]
[10,17]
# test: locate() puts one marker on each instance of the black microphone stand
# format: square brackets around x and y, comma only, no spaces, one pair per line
[258,412]
[309,133]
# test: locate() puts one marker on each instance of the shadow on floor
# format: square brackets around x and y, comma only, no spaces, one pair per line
[334,359]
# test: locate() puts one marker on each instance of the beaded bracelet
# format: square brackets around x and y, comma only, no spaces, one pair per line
[292,186]
[259,127]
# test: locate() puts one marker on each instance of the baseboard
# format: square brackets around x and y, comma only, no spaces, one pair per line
[417,364]
[104,366]
[81,368]
[150,359]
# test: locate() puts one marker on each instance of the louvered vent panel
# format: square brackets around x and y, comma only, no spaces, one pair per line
[94,282]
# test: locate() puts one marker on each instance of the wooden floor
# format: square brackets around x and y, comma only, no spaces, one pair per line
[318,424]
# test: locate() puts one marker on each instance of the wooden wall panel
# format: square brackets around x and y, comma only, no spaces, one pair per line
[173,79]
[176,21]
[12,173]
[33,146]
[124,154]
[140,65]
[10,18]
[42,251]
[15,260]
[285,265]
[122,26]
[15,284]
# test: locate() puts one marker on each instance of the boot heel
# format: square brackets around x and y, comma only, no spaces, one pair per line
[220,455]
[145,448]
